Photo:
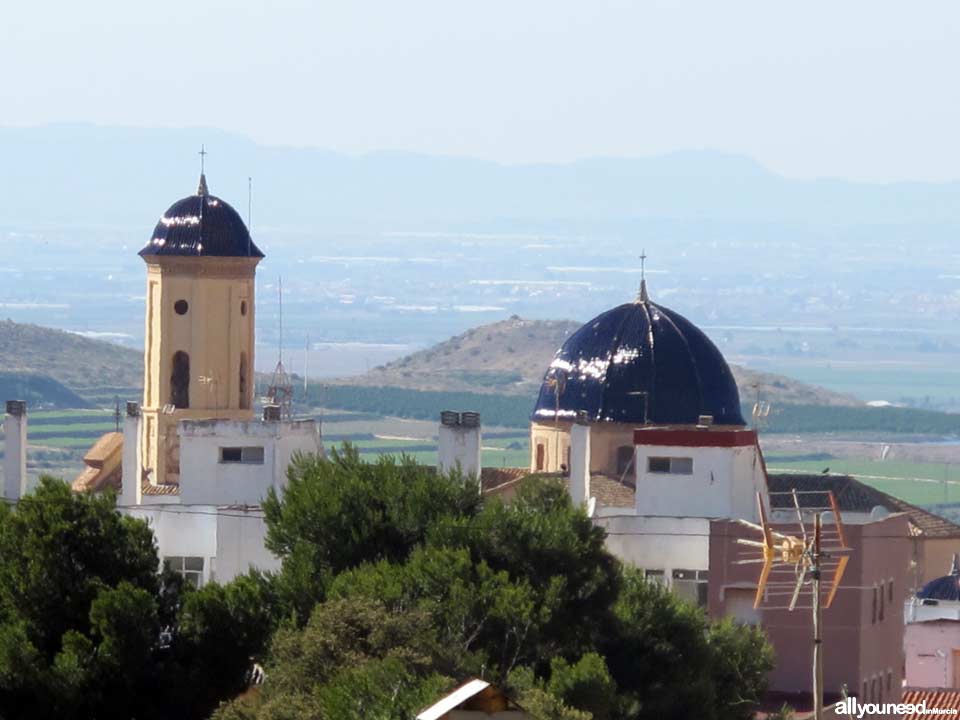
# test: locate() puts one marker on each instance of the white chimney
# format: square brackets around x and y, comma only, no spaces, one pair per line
[15,450]
[580,463]
[131,492]
[459,443]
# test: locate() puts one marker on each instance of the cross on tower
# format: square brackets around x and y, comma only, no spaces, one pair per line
[203,156]
[643,263]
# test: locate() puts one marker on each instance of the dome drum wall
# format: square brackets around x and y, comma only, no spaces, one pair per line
[639,363]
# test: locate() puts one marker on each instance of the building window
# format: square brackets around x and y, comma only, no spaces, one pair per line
[541,456]
[655,576]
[873,612]
[244,397]
[890,591]
[248,455]
[889,680]
[191,568]
[180,307]
[243,308]
[180,380]
[670,465]
[691,585]
[864,696]
[882,603]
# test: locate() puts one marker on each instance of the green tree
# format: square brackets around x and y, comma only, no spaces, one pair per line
[354,660]
[526,587]
[339,512]
[741,658]
[89,628]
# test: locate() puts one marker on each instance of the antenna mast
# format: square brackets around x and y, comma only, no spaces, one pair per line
[280,392]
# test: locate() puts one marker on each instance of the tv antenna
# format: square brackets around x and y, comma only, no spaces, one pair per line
[558,382]
[280,391]
[821,547]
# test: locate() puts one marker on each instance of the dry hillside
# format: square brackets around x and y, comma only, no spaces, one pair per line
[80,363]
[510,357]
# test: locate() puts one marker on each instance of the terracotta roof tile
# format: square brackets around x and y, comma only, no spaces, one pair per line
[855,496]
[147,489]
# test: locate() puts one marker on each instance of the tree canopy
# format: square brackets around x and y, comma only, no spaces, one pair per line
[90,628]
[524,594]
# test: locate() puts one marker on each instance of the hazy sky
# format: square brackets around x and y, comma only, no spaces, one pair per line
[864,90]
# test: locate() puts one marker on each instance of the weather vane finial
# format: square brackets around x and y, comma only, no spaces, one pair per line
[642,295]
[202,188]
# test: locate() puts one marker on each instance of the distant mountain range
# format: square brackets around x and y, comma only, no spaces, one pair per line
[112,176]
[510,357]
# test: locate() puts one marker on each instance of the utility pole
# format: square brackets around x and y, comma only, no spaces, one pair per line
[817,623]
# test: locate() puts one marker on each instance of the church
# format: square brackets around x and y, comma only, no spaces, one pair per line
[193,460]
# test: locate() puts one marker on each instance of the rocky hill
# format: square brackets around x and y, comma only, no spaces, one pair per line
[509,357]
[93,369]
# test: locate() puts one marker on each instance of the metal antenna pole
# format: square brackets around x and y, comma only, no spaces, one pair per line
[249,214]
[280,299]
[817,621]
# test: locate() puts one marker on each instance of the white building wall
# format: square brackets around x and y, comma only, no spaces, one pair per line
[658,543]
[230,540]
[241,535]
[708,492]
[204,479]
[183,532]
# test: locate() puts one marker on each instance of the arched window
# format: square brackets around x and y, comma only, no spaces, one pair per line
[541,456]
[244,396]
[180,380]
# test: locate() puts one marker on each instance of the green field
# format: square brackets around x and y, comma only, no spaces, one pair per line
[59,438]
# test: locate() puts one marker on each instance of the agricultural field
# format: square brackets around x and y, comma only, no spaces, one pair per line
[59,438]
[919,483]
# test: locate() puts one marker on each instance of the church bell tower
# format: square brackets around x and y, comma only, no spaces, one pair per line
[198,364]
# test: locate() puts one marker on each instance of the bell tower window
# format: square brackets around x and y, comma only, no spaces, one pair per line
[180,380]
[244,396]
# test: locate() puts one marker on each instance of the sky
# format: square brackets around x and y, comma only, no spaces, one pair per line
[860,90]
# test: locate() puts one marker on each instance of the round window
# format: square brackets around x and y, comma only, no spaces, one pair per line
[243,308]
[180,307]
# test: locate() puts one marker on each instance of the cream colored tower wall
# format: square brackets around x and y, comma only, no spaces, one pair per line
[605,441]
[216,331]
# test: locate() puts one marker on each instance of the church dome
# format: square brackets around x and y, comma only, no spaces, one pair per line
[943,588]
[637,363]
[201,225]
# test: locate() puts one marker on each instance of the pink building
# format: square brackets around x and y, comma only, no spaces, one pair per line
[863,628]
[932,638]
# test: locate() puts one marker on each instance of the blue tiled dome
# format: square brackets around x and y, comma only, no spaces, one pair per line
[201,225]
[639,362]
[943,588]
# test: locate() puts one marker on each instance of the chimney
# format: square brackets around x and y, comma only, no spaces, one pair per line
[15,450]
[459,443]
[580,463]
[131,492]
